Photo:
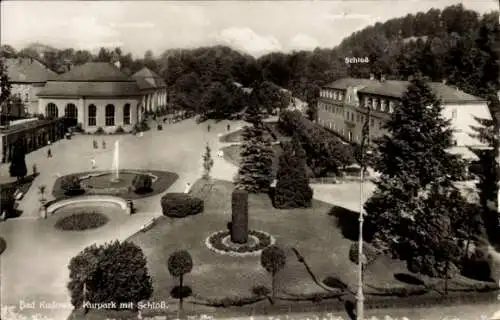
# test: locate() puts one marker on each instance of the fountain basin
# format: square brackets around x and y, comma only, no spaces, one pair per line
[106,182]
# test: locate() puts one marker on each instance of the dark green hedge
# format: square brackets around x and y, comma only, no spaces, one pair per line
[180,205]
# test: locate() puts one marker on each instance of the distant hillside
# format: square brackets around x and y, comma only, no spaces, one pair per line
[455,44]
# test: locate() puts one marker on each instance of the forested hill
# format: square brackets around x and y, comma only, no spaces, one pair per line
[455,44]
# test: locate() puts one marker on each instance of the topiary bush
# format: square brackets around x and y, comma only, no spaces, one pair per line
[142,183]
[180,205]
[100,130]
[159,127]
[239,225]
[71,185]
[113,272]
[119,130]
[371,253]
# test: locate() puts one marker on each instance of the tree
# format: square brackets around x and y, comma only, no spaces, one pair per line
[208,162]
[41,190]
[5,85]
[415,194]
[312,96]
[292,187]
[18,167]
[273,259]
[255,172]
[113,272]
[180,263]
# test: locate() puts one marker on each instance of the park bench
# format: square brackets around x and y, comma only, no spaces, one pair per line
[148,225]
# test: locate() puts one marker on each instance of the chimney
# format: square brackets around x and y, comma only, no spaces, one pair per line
[118,64]
[372,76]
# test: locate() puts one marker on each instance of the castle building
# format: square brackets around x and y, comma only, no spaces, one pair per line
[343,108]
[27,77]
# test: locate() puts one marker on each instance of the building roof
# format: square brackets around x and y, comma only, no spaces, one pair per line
[90,89]
[396,89]
[345,83]
[94,72]
[25,126]
[28,70]
[148,79]
[92,79]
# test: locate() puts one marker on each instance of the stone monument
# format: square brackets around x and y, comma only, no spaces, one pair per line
[239,222]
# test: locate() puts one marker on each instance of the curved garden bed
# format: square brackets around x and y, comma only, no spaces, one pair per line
[56,205]
[220,242]
[162,180]
[81,221]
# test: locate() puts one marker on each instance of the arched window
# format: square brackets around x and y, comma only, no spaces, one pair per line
[126,114]
[110,115]
[92,115]
[51,111]
[71,112]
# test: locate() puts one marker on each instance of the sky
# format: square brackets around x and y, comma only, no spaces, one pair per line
[255,27]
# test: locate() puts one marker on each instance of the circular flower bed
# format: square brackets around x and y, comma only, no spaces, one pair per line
[82,221]
[221,243]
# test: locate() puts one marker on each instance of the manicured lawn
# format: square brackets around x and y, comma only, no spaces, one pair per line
[164,181]
[321,235]
[232,154]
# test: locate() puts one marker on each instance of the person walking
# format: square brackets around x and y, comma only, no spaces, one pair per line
[208,127]
[228,127]
[188,187]
[103,144]
[49,153]
[92,162]
[96,145]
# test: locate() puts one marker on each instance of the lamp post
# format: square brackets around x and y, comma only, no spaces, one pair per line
[360,298]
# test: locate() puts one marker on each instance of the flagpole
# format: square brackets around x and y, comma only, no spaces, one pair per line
[360,298]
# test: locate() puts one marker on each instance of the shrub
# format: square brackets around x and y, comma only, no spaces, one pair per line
[179,205]
[478,267]
[71,185]
[141,126]
[239,225]
[159,127]
[78,127]
[142,183]
[401,291]
[334,282]
[325,151]
[232,302]
[114,271]
[119,130]
[3,245]
[371,253]
[82,221]
[100,130]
